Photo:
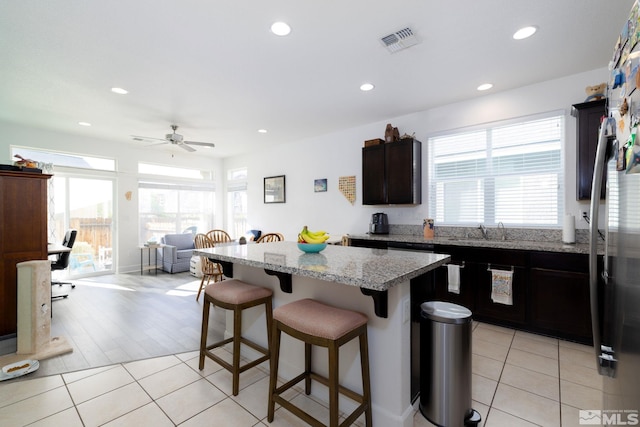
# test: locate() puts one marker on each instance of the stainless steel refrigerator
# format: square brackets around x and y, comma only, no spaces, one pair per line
[615,287]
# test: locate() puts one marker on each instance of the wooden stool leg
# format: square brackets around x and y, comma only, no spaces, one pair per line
[237,330]
[307,368]
[333,384]
[204,332]
[201,286]
[273,375]
[366,381]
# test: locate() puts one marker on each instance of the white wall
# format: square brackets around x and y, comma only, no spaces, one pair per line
[339,154]
[328,156]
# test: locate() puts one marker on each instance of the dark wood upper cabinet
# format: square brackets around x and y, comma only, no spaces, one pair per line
[588,116]
[392,173]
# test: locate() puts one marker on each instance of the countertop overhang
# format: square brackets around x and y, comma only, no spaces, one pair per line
[373,269]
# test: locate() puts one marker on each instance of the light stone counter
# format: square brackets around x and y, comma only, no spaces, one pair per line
[373,269]
[339,276]
[527,245]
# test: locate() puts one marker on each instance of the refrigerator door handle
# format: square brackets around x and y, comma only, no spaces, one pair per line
[604,362]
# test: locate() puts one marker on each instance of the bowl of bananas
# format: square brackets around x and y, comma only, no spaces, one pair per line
[312,241]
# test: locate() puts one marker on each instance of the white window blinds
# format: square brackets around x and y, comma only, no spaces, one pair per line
[511,173]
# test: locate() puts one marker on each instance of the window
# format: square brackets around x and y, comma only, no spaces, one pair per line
[237,202]
[76,161]
[510,173]
[185,203]
[174,208]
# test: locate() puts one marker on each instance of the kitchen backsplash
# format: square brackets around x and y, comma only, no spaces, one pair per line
[528,234]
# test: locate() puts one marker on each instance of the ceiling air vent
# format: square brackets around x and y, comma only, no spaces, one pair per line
[399,40]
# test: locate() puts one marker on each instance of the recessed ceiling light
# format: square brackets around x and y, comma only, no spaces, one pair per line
[525,32]
[280,28]
[262,131]
[485,86]
[84,123]
[365,87]
[119,90]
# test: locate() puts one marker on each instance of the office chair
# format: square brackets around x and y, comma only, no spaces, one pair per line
[62,260]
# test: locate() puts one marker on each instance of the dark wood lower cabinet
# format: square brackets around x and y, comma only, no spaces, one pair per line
[550,290]
[486,308]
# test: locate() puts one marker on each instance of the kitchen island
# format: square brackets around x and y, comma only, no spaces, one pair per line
[375,282]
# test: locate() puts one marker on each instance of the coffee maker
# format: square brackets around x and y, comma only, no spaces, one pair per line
[379,224]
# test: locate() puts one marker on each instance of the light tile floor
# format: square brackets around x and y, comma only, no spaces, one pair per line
[519,379]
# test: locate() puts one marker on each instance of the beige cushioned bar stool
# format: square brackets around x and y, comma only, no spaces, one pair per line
[322,325]
[235,295]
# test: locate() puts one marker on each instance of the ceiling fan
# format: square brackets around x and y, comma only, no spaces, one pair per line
[175,139]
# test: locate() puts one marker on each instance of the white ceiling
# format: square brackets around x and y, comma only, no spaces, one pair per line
[215,69]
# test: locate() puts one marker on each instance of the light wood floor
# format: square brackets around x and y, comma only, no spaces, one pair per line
[126,317]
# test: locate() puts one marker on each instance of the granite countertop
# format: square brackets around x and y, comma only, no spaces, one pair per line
[376,269]
[545,246]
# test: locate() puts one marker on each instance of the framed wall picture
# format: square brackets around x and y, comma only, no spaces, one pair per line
[320,185]
[274,189]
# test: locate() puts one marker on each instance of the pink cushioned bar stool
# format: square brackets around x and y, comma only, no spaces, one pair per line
[322,325]
[235,295]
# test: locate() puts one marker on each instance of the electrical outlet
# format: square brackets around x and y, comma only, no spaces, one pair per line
[406,310]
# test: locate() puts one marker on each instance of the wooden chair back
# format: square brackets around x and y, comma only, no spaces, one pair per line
[209,268]
[270,237]
[218,236]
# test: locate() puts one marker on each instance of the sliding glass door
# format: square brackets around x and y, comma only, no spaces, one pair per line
[86,205]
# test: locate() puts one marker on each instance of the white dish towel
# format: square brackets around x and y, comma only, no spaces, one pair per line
[453,281]
[501,287]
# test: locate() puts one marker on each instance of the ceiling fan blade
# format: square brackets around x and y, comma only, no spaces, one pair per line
[186,147]
[203,144]
[145,138]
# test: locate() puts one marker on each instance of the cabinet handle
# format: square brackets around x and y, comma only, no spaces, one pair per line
[489,268]
[450,263]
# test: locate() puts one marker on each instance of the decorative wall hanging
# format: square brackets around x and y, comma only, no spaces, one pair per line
[347,186]
[320,185]
[274,189]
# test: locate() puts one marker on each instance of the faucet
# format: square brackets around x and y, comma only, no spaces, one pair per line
[504,231]
[483,229]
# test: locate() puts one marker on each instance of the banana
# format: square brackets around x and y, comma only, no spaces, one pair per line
[316,234]
[314,237]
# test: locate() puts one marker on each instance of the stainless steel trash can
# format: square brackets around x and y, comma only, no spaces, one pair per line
[445,365]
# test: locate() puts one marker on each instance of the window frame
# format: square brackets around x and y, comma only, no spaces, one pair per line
[487,178]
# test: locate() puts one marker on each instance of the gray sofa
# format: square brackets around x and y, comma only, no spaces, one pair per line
[177,252]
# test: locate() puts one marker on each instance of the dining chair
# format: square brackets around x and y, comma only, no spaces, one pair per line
[210,269]
[218,236]
[270,237]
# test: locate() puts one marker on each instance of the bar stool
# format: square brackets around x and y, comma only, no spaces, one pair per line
[319,324]
[235,295]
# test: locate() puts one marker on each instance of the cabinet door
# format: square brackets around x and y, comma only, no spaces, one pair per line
[560,303]
[467,281]
[23,235]
[588,115]
[374,190]
[487,308]
[403,172]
